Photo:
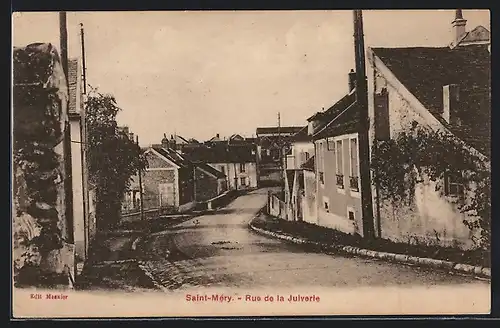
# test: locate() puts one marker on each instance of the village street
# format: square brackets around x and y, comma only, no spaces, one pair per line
[220,250]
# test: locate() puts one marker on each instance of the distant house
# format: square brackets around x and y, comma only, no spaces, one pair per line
[177,142]
[237,162]
[269,139]
[173,181]
[442,88]
[335,134]
[299,150]
[168,181]
[209,182]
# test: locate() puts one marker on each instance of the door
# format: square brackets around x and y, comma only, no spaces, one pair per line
[166,194]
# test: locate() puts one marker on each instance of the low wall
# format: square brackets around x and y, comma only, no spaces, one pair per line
[277,207]
[220,201]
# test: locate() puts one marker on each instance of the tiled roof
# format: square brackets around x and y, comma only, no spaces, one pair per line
[424,71]
[302,135]
[211,170]
[276,130]
[173,156]
[222,153]
[341,118]
[335,109]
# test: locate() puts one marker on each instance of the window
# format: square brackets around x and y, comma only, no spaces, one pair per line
[307,156]
[321,164]
[242,167]
[242,181]
[453,185]
[330,144]
[339,164]
[223,169]
[354,165]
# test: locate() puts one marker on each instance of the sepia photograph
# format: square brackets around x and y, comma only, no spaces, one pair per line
[250,163]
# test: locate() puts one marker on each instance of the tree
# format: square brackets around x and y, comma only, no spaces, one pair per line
[113,157]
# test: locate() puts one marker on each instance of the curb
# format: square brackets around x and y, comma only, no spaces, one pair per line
[478,271]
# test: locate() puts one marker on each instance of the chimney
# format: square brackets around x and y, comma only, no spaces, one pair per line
[217,136]
[458,26]
[450,102]
[352,80]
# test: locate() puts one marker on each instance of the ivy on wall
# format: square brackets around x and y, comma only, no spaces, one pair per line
[37,130]
[399,164]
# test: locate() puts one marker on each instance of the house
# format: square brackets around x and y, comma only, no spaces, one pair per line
[168,180]
[269,139]
[83,191]
[174,181]
[41,183]
[441,89]
[209,182]
[236,162]
[177,142]
[270,142]
[335,135]
[299,150]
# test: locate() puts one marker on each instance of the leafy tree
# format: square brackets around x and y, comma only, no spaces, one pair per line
[113,157]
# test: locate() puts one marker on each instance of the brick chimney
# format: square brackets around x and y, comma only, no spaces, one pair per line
[451,93]
[352,80]
[458,26]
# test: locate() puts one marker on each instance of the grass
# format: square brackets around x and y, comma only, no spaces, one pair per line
[330,236]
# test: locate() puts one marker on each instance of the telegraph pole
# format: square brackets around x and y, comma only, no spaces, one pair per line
[140,183]
[364,146]
[84,147]
[68,186]
[84,68]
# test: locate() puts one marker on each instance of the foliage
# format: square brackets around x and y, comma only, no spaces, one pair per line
[37,130]
[113,157]
[399,164]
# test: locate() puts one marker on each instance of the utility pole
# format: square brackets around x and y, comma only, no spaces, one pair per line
[68,187]
[84,68]
[140,183]
[364,146]
[84,148]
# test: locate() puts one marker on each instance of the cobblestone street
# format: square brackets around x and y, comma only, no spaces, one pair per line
[220,250]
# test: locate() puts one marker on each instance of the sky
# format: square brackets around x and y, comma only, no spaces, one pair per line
[199,73]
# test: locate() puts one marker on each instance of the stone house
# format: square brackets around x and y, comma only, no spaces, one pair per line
[174,181]
[444,89]
[236,161]
[168,181]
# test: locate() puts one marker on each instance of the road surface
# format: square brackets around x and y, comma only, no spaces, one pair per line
[220,250]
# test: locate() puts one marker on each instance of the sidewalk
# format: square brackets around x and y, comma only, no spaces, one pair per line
[331,241]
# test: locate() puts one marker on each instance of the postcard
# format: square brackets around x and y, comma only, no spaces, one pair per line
[251,163]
